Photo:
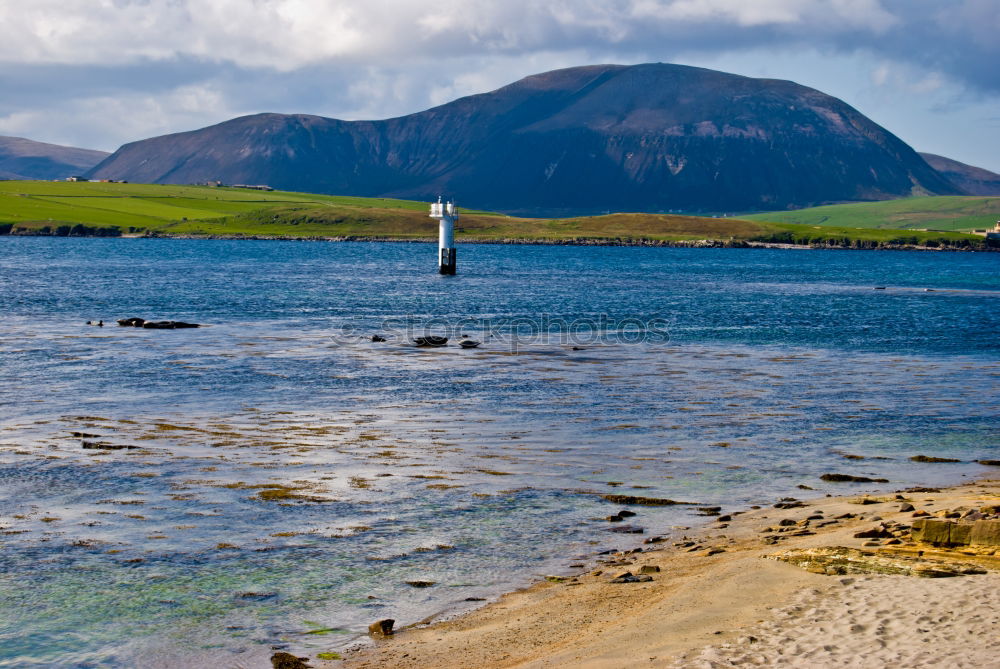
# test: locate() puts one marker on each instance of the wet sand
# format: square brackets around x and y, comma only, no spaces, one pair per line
[715,601]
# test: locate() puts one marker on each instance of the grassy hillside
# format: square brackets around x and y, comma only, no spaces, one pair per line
[63,208]
[933,213]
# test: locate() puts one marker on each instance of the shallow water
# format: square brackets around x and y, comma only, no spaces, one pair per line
[476,470]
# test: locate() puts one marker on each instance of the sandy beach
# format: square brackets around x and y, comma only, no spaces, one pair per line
[709,597]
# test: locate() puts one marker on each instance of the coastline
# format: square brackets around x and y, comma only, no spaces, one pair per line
[850,245]
[713,600]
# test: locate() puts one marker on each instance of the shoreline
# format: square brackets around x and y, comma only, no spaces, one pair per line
[704,591]
[857,245]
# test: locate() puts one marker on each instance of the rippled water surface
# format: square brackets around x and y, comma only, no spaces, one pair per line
[274,479]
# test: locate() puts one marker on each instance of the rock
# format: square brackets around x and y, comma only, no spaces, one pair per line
[930,458]
[430,340]
[378,338]
[919,489]
[168,325]
[131,322]
[654,540]
[100,445]
[380,629]
[288,661]
[873,533]
[840,478]
[985,533]
[789,505]
[626,529]
[786,522]
[947,533]
[724,519]
[991,463]
[643,501]
[469,343]
[906,507]
[990,509]
[838,560]
[614,519]
[625,513]
[709,510]
[714,550]
[649,569]
[420,584]
[629,577]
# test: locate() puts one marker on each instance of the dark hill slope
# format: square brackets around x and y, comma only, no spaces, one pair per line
[973,180]
[25,159]
[588,139]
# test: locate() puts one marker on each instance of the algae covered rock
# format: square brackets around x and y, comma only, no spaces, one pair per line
[839,560]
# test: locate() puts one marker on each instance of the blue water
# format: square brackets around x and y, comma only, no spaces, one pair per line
[723,376]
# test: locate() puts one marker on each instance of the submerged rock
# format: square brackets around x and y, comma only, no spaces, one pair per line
[840,478]
[646,501]
[420,584]
[930,458]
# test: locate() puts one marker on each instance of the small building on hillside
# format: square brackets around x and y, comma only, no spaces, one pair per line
[76,179]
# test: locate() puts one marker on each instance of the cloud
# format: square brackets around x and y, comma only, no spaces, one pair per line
[957,38]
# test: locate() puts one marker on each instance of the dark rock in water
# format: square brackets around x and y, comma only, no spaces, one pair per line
[930,458]
[626,529]
[991,463]
[381,629]
[475,599]
[99,445]
[470,343]
[168,325]
[420,584]
[625,513]
[378,338]
[430,340]
[645,501]
[288,661]
[614,519]
[709,510]
[839,478]
[131,322]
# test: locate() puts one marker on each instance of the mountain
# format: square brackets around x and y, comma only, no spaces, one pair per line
[24,159]
[973,180]
[651,137]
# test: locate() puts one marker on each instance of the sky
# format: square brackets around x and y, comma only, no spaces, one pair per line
[100,73]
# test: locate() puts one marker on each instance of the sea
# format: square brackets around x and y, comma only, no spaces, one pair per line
[276,480]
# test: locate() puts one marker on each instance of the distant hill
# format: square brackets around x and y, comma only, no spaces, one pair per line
[917,213]
[25,159]
[973,180]
[652,137]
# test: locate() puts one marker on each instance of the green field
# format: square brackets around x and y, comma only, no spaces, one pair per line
[72,209]
[962,213]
